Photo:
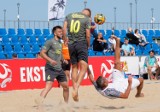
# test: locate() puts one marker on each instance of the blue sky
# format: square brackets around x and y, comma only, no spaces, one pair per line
[37,9]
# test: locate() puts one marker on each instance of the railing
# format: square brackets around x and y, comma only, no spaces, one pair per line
[33,24]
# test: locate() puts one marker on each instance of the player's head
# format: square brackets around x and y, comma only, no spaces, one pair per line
[86,12]
[102,82]
[57,31]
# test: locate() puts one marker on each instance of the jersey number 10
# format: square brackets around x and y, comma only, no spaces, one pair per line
[75,26]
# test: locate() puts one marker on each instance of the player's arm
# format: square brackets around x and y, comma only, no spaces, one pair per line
[90,76]
[65,30]
[127,92]
[88,37]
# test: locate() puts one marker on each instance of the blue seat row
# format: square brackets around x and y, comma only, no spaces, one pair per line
[26,32]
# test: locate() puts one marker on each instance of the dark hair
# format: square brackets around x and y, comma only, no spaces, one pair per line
[135,30]
[55,28]
[88,11]
[126,38]
[99,81]
[14,55]
[152,51]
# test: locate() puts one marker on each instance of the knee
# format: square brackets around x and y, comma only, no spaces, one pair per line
[66,87]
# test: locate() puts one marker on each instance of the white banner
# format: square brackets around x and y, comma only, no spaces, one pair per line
[56,9]
[130,65]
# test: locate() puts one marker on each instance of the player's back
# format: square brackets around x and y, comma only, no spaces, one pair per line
[77,23]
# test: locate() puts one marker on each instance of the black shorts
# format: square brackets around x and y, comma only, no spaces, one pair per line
[51,74]
[66,66]
[78,51]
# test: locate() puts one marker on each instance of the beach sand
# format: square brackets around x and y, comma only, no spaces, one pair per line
[90,101]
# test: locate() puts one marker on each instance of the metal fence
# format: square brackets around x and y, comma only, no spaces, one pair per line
[34,24]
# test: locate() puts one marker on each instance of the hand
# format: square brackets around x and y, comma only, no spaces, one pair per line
[130,79]
[53,63]
[65,61]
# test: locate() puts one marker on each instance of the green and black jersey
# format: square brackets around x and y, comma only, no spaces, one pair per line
[77,23]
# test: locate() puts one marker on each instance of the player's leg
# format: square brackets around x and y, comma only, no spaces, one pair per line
[139,88]
[82,57]
[117,54]
[62,79]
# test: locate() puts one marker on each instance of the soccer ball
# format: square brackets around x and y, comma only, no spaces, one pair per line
[99,19]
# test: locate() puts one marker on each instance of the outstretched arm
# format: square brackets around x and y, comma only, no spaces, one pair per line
[90,75]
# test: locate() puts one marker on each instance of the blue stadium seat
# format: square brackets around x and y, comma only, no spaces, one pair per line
[3,32]
[98,53]
[30,55]
[26,48]
[157,33]
[138,52]
[9,56]
[41,40]
[37,32]
[5,40]
[108,33]
[29,32]
[117,33]
[91,41]
[32,40]
[91,52]
[35,48]
[123,33]
[149,39]
[151,33]
[155,47]
[14,40]
[18,48]
[46,32]
[11,32]
[1,49]
[23,40]
[20,32]
[148,47]
[2,56]
[49,37]
[145,32]
[8,49]
[21,56]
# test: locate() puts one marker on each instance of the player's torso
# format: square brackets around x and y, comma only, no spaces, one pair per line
[55,52]
[76,24]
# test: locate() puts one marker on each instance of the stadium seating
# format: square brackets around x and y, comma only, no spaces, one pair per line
[20,32]
[11,32]
[2,56]
[37,32]
[3,32]
[29,32]
[26,43]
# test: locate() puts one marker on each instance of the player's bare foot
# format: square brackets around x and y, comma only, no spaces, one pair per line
[39,100]
[139,95]
[75,95]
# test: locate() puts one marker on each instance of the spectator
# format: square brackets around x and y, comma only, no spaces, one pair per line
[151,65]
[132,38]
[142,38]
[111,44]
[99,43]
[128,49]
[14,56]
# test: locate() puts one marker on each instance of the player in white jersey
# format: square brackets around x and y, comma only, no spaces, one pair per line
[120,87]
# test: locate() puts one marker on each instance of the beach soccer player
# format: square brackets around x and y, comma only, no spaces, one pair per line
[52,53]
[78,27]
[120,86]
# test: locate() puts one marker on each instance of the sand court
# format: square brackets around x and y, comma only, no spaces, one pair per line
[90,101]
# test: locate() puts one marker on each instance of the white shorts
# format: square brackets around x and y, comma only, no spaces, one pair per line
[120,83]
[153,70]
